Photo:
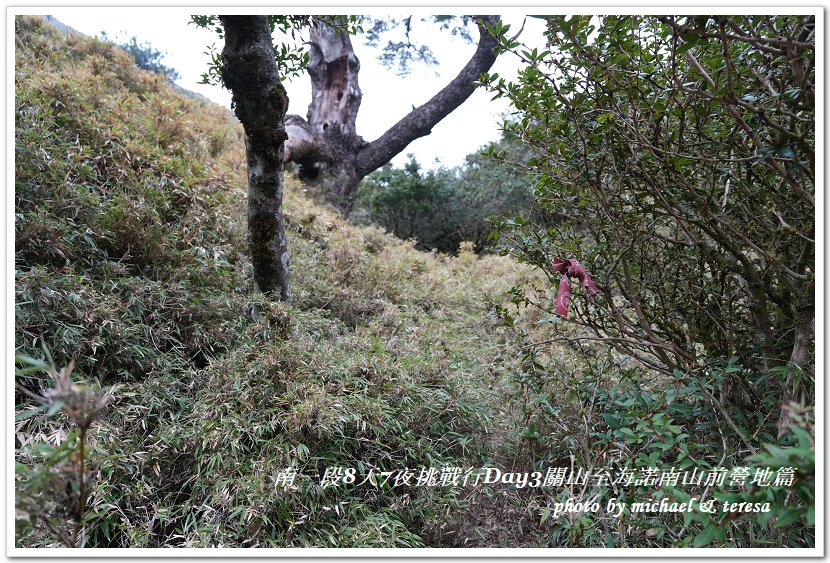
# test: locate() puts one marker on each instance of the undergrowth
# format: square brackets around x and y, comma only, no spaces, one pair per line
[130,260]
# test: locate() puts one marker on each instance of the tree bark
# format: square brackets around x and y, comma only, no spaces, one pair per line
[803,348]
[259,100]
[326,145]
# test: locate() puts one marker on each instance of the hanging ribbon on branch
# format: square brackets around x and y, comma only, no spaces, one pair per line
[571,269]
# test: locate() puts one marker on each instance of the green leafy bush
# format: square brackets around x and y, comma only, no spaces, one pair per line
[442,208]
[685,184]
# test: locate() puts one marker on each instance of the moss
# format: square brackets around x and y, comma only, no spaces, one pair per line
[280,97]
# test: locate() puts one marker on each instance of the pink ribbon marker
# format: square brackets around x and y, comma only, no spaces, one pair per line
[571,269]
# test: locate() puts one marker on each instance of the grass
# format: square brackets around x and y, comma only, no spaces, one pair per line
[130,259]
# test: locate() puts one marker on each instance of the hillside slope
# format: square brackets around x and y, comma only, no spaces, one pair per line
[130,259]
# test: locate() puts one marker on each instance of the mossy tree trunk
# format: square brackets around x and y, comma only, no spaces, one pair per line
[326,145]
[249,71]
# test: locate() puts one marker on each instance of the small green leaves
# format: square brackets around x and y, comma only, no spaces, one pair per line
[787,517]
[290,54]
[705,537]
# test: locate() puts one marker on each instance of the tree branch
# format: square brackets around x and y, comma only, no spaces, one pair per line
[420,121]
[302,143]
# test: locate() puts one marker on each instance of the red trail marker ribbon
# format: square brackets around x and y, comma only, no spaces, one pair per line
[571,269]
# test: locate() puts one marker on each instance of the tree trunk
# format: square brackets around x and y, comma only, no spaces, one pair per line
[327,147]
[803,347]
[259,100]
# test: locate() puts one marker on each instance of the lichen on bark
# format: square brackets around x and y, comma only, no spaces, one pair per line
[260,102]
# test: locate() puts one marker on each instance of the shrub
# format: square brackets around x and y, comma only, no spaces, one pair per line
[685,184]
[442,208]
